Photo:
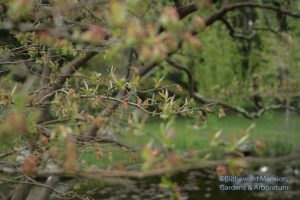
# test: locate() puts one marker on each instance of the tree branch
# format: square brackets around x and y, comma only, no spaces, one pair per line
[83,139]
[98,174]
[45,78]
[217,15]
[66,72]
[15,150]
[177,3]
[179,66]
[47,188]
[234,34]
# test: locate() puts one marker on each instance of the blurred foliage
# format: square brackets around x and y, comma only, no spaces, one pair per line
[76,75]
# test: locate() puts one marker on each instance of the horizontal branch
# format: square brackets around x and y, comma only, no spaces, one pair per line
[238,109]
[13,151]
[98,174]
[24,27]
[217,15]
[86,139]
[183,11]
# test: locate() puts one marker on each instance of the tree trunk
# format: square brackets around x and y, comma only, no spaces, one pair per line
[21,192]
[44,193]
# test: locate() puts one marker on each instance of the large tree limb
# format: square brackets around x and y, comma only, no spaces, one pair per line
[99,174]
[21,192]
[45,192]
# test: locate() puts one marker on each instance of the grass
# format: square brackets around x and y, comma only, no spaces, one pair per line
[270,129]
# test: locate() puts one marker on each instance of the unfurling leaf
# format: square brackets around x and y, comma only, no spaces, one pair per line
[221,113]
[44,139]
[169,18]
[199,23]
[192,40]
[29,165]
[139,101]
[99,153]
[125,103]
[117,13]
[110,156]
[70,164]
[4,100]
[221,170]
[169,15]
[95,103]
[20,8]
[157,82]
[133,158]
[16,122]
[179,88]
[171,133]
[259,144]
[94,35]
[134,32]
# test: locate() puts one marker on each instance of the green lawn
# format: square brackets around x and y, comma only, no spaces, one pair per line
[269,129]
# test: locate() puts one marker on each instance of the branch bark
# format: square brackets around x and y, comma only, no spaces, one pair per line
[217,15]
[21,192]
[98,174]
[45,192]
[236,35]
